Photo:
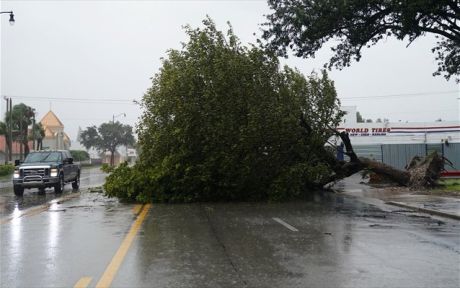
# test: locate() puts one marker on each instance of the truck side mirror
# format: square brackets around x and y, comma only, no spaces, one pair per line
[17,162]
[70,160]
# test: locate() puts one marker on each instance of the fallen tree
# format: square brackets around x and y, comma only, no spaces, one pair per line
[221,123]
[420,172]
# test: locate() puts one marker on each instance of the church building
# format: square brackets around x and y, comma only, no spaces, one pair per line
[55,137]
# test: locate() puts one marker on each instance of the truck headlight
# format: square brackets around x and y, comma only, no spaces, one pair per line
[54,172]
[16,174]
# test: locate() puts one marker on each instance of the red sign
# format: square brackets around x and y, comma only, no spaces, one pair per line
[367,131]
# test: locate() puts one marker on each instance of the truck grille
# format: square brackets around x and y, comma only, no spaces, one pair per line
[34,172]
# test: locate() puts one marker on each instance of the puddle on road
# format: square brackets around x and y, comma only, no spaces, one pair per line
[381,226]
[78,206]
[382,216]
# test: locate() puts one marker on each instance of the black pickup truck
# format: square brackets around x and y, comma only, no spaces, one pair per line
[42,169]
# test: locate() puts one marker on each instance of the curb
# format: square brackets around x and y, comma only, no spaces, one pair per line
[424,210]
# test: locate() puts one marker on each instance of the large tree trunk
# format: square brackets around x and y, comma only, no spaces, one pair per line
[10,146]
[112,157]
[26,147]
[398,176]
[421,171]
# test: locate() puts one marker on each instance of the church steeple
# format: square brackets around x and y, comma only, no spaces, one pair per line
[51,120]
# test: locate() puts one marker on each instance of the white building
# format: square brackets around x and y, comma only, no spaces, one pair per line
[398,132]
[395,143]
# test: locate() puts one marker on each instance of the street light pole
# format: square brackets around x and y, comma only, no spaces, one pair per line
[11,16]
[33,129]
[115,116]
[8,154]
[21,139]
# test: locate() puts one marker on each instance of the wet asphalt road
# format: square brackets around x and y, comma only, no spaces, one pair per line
[334,241]
[90,177]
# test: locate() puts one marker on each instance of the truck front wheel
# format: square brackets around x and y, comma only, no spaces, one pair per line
[59,187]
[18,190]
[76,182]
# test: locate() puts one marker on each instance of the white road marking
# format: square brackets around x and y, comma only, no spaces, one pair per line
[290,227]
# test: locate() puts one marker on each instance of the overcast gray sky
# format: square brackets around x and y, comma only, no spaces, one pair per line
[110,49]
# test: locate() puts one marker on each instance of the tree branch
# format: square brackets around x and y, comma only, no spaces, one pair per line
[451,28]
[441,32]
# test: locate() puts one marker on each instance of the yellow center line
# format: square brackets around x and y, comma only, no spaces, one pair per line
[112,269]
[83,282]
[137,209]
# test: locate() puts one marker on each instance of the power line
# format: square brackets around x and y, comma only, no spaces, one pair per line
[401,95]
[413,112]
[77,100]
[136,101]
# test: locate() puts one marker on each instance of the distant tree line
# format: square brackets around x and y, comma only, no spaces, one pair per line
[360,119]
[79,155]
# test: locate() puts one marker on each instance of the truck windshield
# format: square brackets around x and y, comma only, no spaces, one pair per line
[43,157]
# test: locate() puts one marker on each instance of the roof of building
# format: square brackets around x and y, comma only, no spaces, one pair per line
[66,138]
[51,120]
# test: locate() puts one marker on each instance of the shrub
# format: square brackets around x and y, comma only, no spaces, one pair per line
[107,168]
[129,184]
[79,155]
[6,169]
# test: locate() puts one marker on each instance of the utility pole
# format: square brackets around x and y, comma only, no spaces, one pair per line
[33,130]
[7,153]
[21,146]
[11,130]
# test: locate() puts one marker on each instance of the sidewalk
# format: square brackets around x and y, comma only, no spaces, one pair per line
[437,205]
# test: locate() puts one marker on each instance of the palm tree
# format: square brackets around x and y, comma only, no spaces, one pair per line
[21,118]
[37,133]
[2,128]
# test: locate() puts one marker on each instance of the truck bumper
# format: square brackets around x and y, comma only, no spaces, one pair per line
[36,183]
